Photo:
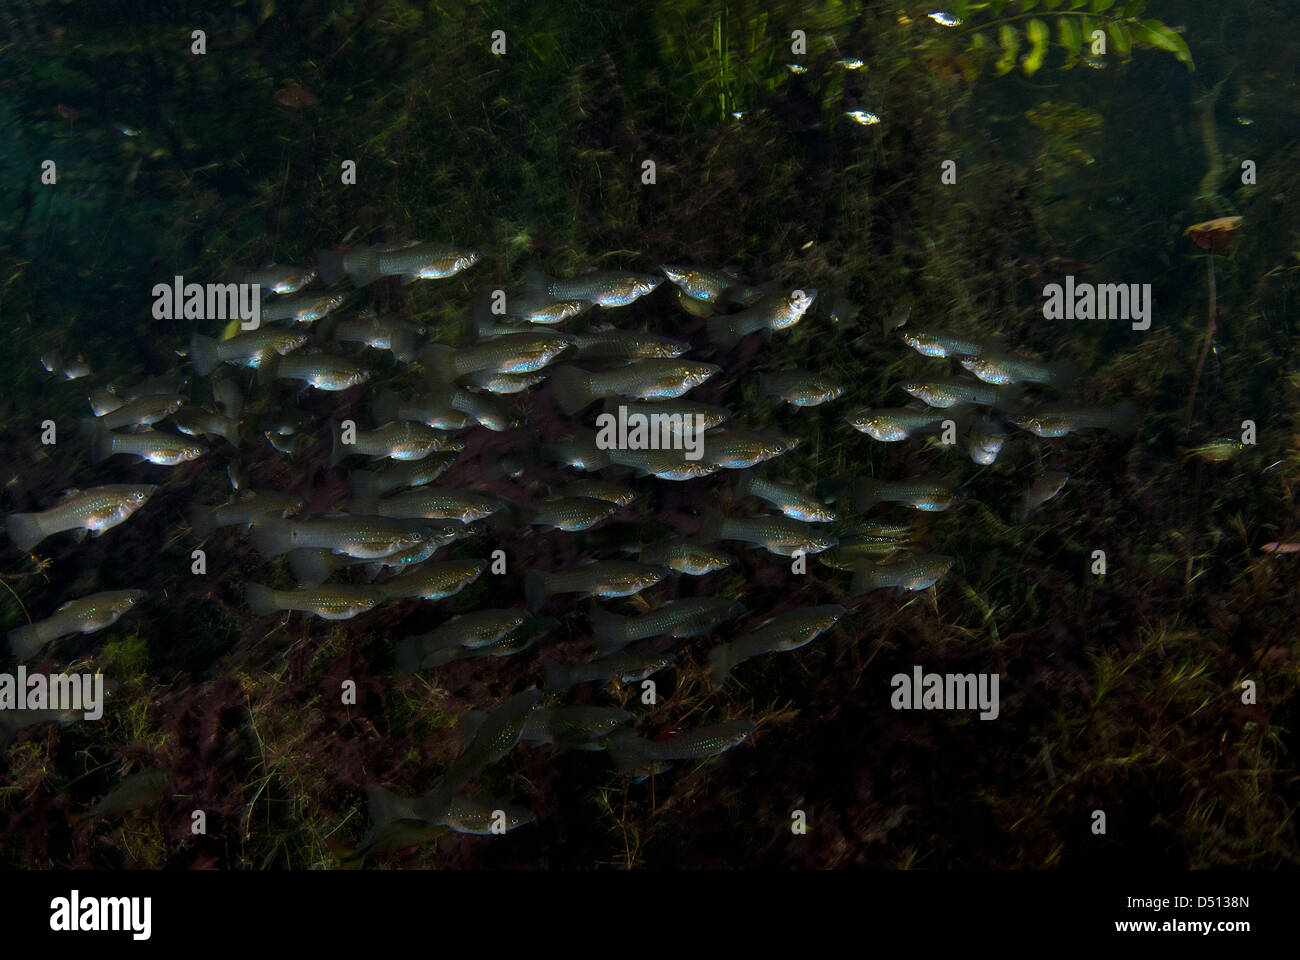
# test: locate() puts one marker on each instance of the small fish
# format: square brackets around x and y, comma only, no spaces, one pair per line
[941,343]
[915,572]
[800,388]
[605,578]
[1043,488]
[605,288]
[103,401]
[624,667]
[156,387]
[678,412]
[74,369]
[154,446]
[688,617]
[434,581]
[785,631]
[1001,369]
[778,311]
[319,370]
[94,510]
[411,261]
[504,383]
[947,392]
[569,513]
[281,278]
[625,345]
[372,484]
[575,728]
[201,422]
[365,538]
[924,495]
[332,602]
[580,453]
[575,389]
[139,412]
[495,738]
[876,542]
[84,615]
[302,310]
[686,556]
[741,449]
[892,424]
[636,756]
[481,817]
[1121,419]
[433,410]
[245,349]
[469,631]
[776,534]
[136,791]
[986,441]
[525,352]
[597,490]
[431,503]
[11,721]
[1280,547]
[789,500]
[1216,451]
[544,309]
[711,286]
[381,334]
[243,510]
[312,566]
[398,440]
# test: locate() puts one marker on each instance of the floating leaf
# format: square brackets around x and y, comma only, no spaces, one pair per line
[1071,38]
[1009,39]
[1153,33]
[1119,36]
[1038,34]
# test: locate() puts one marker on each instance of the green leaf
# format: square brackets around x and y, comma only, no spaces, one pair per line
[1134,8]
[1076,4]
[1153,33]
[1099,5]
[1119,37]
[1071,38]
[1009,40]
[1052,4]
[1027,5]
[1038,34]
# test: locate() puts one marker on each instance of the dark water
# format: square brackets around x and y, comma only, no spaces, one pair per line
[1120,692]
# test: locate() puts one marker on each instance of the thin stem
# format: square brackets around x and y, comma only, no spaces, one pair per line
[1205,350]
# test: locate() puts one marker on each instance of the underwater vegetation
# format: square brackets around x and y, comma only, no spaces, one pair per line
[795,147]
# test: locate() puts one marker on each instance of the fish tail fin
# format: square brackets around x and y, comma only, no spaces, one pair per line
[384,407]
[203,354]
[744,483]
[610,631]
[26,530]
[365,484]
[272,536]
[712,527]
[866,494]
[630,753]
[536,588]
[1123,418]
[439,362]
[329,266]
[403,344]
[559,677]
[723,330]
[261,600]
[203,521]
[101,443]
[571,388]
[1007,399]
[863,579]
[720,663]
[311,568]
[26,641]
